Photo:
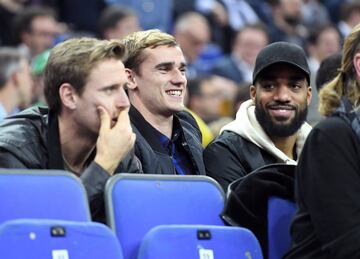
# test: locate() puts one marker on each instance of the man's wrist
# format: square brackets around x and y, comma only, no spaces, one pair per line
[108,165]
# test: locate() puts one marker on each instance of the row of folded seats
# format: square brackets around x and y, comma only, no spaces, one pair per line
[45,214]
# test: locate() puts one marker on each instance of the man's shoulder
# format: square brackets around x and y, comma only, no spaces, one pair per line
[239,146]
[186,116]
[333,126]
[23,128]
[188,123]
[231,139]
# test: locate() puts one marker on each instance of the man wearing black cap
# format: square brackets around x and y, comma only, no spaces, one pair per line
[269,128]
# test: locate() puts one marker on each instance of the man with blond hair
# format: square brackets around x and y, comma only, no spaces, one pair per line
[168,138]
[86,129]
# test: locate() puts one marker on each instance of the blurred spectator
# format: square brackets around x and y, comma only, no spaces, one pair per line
[206,134]
[240,13]
[287,22]
[350,16]
[37,70]
[216,14]
[322,42]
[328,70]
[79,15]
[240,64]
[211,97]
[8,10]
[153,14]
[192,32]
[116,22]
[35,30]
[333,7]
[15,81]
[242,95]
[314,13]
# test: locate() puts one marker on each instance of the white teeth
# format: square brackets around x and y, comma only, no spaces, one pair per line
[174,92]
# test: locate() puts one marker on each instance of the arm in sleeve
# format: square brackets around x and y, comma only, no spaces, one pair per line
[94,179]
[222,164]
[8,160]
[328,181]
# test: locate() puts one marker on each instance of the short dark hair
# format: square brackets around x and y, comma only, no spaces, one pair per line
[348,8]
[194,85]
[316,32]
[23,21]
[328,70]
[255,26]
[111,15]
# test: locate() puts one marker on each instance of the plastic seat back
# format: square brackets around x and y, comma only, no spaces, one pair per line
[57,239]
[47,194]
[137,203]
[280,214]
[199,241]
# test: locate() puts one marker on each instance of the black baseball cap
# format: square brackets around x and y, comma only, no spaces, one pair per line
[281,52]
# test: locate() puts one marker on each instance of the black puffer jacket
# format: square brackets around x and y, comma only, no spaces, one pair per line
[153,157]
[238,158]
[31,140]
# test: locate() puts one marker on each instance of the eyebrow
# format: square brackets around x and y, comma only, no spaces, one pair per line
[169,64]
[126,84]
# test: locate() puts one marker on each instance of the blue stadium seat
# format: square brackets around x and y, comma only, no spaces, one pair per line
[280,214]
[42,194]
[57,239]
[199,241]
[137,203]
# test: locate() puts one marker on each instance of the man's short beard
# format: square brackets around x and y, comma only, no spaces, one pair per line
[280,130]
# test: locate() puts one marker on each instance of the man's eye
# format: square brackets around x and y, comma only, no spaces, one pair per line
[163,69]
[109,91]
[296,86]
[268,86]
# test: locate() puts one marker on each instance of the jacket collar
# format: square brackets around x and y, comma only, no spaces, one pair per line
[54,147]
[152,135]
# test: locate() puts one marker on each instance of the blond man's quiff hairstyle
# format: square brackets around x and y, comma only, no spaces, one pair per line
[72,62]
[137,42]
[345,83]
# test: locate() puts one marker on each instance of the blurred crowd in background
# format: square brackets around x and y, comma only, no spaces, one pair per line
[220,40]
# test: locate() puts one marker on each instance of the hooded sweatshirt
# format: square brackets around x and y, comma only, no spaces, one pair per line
[243,146]
[247,126]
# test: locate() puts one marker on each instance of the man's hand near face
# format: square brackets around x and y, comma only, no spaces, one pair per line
[113,143]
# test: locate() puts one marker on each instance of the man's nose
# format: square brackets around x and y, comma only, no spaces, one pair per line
[178,77]
[282,93]
[122,100]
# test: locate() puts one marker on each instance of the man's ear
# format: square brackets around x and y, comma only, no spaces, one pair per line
[131,78]
[356,62]
[252,92]
[309,95]
[68,96]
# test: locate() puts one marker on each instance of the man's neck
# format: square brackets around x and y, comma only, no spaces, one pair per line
[76,148]
[286,144]
[162,123]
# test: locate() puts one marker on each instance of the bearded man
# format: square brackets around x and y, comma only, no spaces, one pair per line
[269,128]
